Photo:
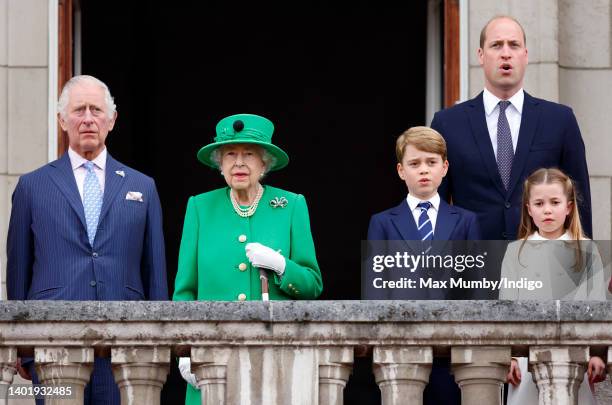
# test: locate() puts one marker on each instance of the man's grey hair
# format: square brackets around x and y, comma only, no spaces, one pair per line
[62,103]
[268,158]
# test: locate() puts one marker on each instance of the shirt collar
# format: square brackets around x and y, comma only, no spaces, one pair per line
[490,101]
[77,160]
[413,201]
[536,236]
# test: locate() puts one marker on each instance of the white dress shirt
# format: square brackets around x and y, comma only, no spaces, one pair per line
[432,213]
[513,113]
[76,161]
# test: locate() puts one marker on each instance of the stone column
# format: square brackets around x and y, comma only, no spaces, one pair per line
[8,357]
[402,372]
[140,373]
[65,367]
[209,364]
[480,372]
[335,366]
[558,372]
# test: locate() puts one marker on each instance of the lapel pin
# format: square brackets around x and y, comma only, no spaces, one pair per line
[120,173]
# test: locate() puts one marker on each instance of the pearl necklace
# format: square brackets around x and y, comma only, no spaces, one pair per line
[246,212]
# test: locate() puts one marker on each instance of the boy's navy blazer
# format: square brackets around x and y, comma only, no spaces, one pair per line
[397,223]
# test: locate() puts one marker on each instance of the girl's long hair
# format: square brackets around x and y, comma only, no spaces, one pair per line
[572,221]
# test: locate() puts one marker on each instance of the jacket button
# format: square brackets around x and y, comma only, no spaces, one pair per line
[508,205]
[242,238]
[242,297]
[242,266]
[92,283]
[504,235]
[95,254]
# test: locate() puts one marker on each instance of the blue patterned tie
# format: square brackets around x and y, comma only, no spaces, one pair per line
[505,152]
[425,228]
[92,201]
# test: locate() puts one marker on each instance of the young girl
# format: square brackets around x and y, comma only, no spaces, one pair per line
[568,269]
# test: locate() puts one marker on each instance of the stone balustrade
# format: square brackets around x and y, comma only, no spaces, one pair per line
[301,352]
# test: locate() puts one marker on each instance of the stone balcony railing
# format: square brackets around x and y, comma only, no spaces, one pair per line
[301,352]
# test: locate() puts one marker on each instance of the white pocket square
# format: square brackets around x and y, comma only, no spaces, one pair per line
[134,196]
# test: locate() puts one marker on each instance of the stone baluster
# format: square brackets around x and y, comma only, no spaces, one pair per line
[140,373]
[209,364]
[64,367]
[558,372]
[480,372]
[335,366]
[402,372]
[8,357]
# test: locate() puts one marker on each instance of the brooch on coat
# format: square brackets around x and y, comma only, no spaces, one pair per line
[278,202]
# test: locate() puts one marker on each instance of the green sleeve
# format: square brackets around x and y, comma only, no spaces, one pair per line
[302,277]
[186,282]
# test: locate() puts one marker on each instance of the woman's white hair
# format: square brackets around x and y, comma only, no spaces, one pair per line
[268,158]
[64,97]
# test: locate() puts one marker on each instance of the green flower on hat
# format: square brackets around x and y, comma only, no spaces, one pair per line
[244,128]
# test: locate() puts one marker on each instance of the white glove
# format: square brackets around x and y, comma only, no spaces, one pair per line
[185,368]
[264,257]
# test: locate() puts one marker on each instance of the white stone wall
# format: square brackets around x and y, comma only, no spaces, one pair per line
[570,62]
[23,100]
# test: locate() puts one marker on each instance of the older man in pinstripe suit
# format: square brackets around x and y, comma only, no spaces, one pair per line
[86,227]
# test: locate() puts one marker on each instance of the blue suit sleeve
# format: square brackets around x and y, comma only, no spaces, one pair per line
[574,164]
[154,254]
[20,249]
[473,229]
[445,189]
[376,231]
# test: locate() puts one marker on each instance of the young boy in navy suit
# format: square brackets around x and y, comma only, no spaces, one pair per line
[421,164]
[423,216]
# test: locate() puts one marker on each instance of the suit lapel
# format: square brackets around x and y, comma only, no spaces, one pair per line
[529,122]
[446,221]
[403,220]
[478,121]
[63,177]
[113,183]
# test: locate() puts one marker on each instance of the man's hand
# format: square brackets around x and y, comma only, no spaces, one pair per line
[23,372]
[514,375]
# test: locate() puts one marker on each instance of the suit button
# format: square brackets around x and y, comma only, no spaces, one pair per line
[508,205]
[290,285]
[95,254]
[242,266]
[504,235]
[242,297]
[242,238]
[92,283]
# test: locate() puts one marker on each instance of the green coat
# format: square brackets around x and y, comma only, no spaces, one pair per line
[212,260]
[212,251]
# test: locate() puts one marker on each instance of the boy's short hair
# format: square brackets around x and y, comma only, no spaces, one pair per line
[423,138]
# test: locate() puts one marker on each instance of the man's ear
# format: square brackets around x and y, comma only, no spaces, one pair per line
[111,124]
[480,53]
[62,122]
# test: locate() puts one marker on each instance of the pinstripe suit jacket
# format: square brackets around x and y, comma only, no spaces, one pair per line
[49,255]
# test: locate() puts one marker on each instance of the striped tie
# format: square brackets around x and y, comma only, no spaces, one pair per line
[92,201]
[505,151]
[425,228]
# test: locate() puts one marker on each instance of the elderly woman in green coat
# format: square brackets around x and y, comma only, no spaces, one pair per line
[235,235]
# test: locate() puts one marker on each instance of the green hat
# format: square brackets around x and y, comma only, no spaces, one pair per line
[244,128]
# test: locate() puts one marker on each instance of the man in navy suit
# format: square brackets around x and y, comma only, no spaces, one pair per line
[86,227]
[420,220]
[500,137]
